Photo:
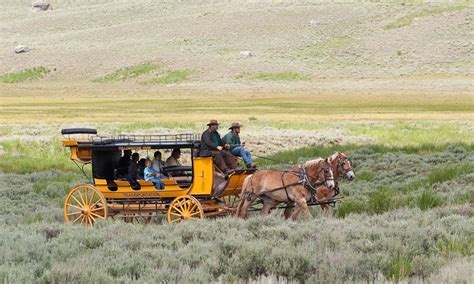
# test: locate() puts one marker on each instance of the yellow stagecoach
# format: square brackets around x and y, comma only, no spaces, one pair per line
[190,194]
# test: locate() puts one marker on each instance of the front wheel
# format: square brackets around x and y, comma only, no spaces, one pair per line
[85,204]
[185,208]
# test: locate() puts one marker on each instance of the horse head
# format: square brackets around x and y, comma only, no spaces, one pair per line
[342,166]
[320,172]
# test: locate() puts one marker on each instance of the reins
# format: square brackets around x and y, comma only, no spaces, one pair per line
[273,160]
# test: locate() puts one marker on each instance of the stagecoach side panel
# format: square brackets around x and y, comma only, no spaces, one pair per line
[203,177]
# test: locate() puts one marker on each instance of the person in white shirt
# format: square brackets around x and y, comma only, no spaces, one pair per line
[173,160]
[158,164]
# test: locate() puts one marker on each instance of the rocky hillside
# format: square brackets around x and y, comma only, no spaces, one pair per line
[229,40]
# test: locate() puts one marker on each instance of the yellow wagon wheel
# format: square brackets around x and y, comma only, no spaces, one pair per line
[231,200]
[84,205]
[185,208]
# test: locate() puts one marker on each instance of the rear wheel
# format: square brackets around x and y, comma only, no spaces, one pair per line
[85,204]
[231,200]
[185,208]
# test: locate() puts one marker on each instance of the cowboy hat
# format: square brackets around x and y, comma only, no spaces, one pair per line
[235,125]
[213,122]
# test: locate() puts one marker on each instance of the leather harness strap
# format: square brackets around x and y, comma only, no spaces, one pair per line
[304,179]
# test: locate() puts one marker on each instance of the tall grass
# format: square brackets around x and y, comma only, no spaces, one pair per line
[449,172]
[357,248]
[34,73]
[402,133]
[293,156]
[33,156]
[400,267]
[428,200]
[381,200]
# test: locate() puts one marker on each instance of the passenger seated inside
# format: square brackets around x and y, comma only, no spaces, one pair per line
[123,164]
[152,175]
[173,161]
[158,164]
[133,167]
[141,168]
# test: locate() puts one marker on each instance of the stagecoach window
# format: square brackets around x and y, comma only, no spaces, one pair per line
[104,163]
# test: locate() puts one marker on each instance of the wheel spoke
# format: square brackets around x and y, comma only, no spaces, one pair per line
[92,197]
[97,202]
[194,207]
[80,195]
[186,205]
[75,220]
[79,203]
[92,219]
[175,214]
[175,220]
[196,213]
[176,208]
[73,213]
[74,206]
[181,206]
[97,215]
[97,209]
[86,195]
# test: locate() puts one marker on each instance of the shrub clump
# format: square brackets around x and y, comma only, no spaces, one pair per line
[34,73]
[127,73]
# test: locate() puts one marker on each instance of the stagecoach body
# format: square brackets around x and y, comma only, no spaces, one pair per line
[183,198]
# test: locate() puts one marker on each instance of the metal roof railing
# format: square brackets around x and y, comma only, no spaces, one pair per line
[165,139]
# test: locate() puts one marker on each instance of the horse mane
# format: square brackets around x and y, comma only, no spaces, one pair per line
[314,162]
[334,156]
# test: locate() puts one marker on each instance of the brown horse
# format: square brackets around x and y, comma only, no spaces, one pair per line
[274,187]
[341,167]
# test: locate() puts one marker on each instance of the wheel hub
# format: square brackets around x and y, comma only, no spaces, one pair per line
[86,210]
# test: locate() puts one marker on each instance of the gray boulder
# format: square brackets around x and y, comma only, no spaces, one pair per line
[245,54]
[41,6]
[22,49]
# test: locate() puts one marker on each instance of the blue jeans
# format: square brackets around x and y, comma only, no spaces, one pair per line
[243,153]
[157,182]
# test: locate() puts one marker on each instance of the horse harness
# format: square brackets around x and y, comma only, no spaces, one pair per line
[304,180]
[340,163]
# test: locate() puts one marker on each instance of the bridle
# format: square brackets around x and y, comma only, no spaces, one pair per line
[306,181]
[340,164]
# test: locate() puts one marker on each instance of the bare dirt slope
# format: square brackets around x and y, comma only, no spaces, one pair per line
[86,39]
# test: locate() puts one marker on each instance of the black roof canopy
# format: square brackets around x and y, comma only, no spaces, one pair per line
[122,142]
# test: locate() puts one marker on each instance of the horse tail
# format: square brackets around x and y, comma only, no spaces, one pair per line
[243,193]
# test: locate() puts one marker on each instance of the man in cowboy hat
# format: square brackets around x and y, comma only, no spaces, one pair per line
[212,146]
[237,148]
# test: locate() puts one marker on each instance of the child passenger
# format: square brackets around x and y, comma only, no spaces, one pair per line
[152,175]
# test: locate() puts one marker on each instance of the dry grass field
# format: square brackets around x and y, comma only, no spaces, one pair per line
[389,82]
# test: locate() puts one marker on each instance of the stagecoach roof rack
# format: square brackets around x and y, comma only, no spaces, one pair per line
[153,141]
